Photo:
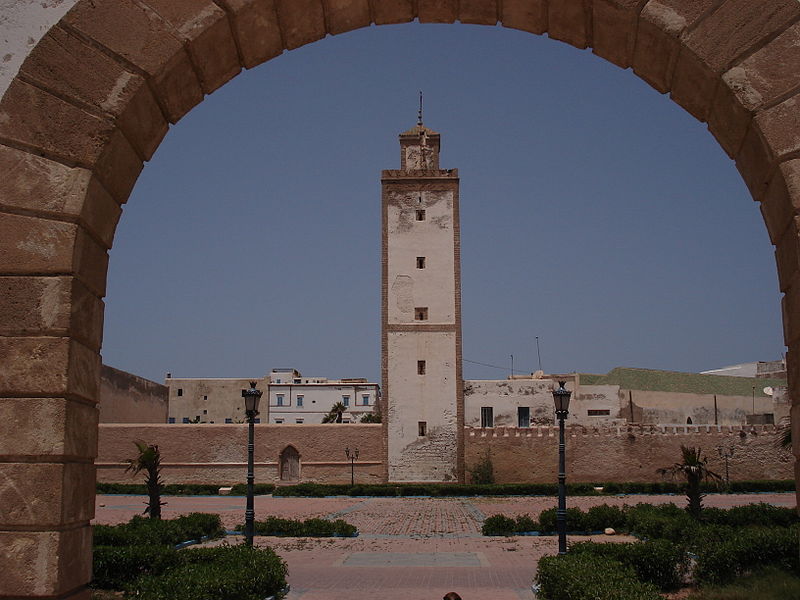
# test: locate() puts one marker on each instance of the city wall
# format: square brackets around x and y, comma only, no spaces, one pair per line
[128,398]
[625,453]
[218,453]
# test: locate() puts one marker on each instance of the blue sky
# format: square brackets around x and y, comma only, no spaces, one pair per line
[595,214]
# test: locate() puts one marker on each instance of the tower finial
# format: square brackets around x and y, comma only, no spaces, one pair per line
[419,114]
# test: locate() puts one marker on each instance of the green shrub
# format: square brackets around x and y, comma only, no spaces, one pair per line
[751,514]
[576,520]
[309,528]
[114,567]
[602,516]
[499,525]
[482,472]
[181,489]
[659,562]
[588,577]
[222,573]
[745,550]
[525,523]
[665,521]
[159,532]
[259,489]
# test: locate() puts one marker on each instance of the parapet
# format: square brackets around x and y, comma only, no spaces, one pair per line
[541,431]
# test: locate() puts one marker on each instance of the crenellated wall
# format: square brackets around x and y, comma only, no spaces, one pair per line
[625,453]
[218,453]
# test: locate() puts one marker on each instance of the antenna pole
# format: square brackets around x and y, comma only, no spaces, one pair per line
[419,114]
[538,353]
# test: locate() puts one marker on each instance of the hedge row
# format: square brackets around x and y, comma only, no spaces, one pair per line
[451,489]
[665,521]
[583,576]
[182,489]
[140,531]
[308,528]
[163,573]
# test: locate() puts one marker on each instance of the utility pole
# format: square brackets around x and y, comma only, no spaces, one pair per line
[538,353]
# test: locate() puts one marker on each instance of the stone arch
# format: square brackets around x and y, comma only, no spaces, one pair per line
[289,464]
[95,96]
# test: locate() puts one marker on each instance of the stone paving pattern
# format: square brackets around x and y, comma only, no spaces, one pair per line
[391,557]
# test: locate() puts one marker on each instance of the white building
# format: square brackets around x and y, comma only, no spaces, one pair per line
[294,398]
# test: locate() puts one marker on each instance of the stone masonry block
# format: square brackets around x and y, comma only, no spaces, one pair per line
[526,15]
[793,375]
[49,366]
[147,42]
[392,11]
[71,68]
[479,12]
[786,258]
[570,21]
[50,126]
[769,73]
[782,199]
[790,305]
[45,563]
[614,29]
[346,15]
[779,126]
[302,21]
[437,11]
[51,189]
[693,84]
[661,24]
[753,162]
[42,427]
[53,306]
[204,28]
[90,263]
[737,27]
[33,245]
[255,25]
[45,494]
[728,120]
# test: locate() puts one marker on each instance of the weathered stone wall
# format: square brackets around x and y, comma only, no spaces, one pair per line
[625,453]
[128,398]
[218,453]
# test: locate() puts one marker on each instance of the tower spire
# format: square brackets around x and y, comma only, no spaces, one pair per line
[419,114]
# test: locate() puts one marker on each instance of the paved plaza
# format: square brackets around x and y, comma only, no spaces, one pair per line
[408,548]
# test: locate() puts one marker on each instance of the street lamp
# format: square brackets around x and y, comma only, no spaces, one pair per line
[251,398]
[352,457]
[561,400]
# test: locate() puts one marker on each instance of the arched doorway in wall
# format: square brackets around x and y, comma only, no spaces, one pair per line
[73,150]
[290,464]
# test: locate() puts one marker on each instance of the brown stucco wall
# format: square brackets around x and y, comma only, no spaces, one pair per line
[218,453]
[128,398]
[625,453]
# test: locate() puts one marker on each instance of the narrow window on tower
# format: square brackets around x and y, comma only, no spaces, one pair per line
[420,262]
[420,214]
[421,313]
[422,428]
[420,367]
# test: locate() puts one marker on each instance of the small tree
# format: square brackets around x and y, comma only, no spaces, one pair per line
[785,434]
[694,468]
[335,414]
[482,472]
[149,461]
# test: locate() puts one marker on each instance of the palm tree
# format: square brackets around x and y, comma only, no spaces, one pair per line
[785,434]
[335,414]
[694,468]
[149,461]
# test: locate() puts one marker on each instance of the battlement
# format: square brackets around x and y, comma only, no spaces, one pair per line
[622,431]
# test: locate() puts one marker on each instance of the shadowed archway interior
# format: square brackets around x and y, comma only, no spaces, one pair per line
[96,95]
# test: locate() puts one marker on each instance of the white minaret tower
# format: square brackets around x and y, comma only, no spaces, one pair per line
[421,314]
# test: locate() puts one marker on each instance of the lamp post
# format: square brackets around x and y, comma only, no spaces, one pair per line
[251,398]
[352,457]
[561,400]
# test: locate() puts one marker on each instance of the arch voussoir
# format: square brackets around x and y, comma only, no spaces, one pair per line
[346,15]
[570,21]
[437,11]
[255,29]
[301,22]
[614,28]
[524,15]
[128,33]
[388,12]
[478,12]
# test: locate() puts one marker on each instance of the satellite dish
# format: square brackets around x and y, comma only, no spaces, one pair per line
[769,391]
